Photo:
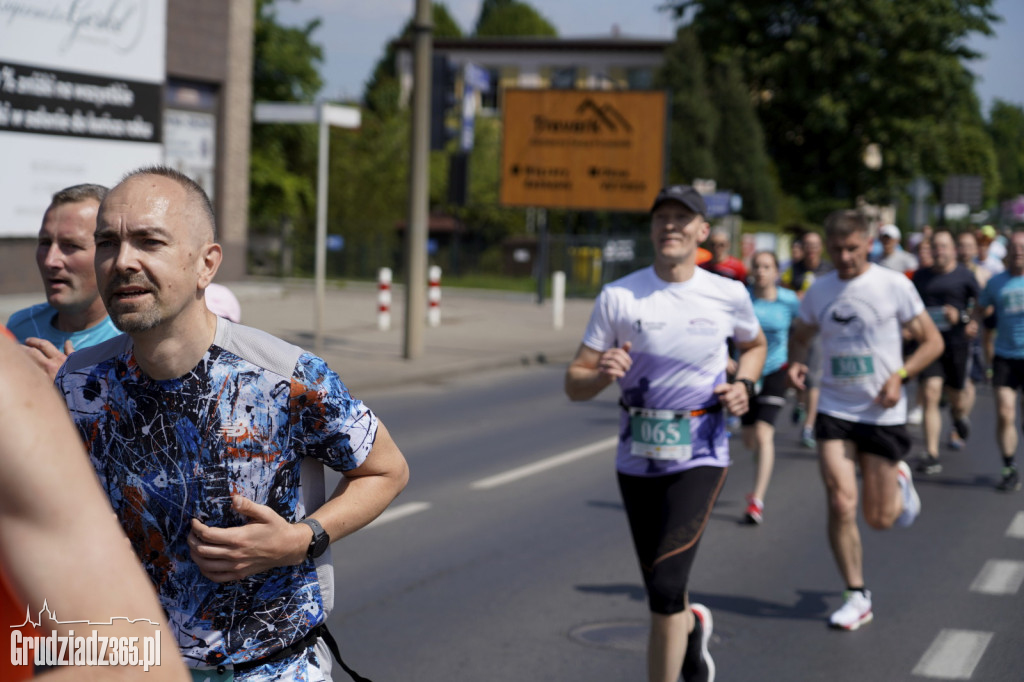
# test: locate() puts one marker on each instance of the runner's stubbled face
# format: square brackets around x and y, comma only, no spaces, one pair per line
[943,251]
[676,232]
[765,272]
[147,253]
[1015,254]
[849,254]
[64,256]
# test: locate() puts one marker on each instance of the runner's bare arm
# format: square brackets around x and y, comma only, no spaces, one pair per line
[591,371]
[749,365]
[800,337]
[269,540]
[930,346]
[59,540]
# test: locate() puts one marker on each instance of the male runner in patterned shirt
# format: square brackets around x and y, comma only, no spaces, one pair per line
[208,438]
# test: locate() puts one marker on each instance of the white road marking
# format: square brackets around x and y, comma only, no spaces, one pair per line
[953,655]
[999,576]
[1016,529]
[399,512]
[545,464]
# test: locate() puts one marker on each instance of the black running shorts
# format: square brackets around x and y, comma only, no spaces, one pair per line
[769,400]
[667,516]
[889,441]
[1008,372]
[952,365]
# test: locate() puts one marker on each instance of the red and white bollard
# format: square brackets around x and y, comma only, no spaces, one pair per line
[434,296]
[384,299]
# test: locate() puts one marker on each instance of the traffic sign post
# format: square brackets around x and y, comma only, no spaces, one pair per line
[583,149]
[325,115]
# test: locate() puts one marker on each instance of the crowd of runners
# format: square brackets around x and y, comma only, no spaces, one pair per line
[208,438]
[692,346]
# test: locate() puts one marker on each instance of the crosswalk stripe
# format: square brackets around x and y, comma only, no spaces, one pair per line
[1016,529]
[545,464]
[999,576]
[953,655]
[399,512]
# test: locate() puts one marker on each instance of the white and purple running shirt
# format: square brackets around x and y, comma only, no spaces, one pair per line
[678,332]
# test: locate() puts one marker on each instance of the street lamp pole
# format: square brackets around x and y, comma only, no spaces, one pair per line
[419,180]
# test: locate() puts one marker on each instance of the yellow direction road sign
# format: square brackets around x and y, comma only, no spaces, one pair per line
[585,149]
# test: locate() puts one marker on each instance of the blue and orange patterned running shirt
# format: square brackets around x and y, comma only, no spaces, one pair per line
[250,419]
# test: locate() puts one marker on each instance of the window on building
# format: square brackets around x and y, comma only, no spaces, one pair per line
[563,78]
[490,99]
[640,79]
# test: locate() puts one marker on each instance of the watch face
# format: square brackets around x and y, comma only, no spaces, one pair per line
[319,545]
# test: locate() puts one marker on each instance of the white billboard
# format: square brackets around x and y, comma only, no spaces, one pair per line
[80,98]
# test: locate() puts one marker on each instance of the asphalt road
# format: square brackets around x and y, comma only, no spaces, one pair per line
[508,556]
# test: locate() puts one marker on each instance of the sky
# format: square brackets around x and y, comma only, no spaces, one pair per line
[355,32]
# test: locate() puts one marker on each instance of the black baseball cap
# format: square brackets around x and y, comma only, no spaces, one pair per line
[685,195]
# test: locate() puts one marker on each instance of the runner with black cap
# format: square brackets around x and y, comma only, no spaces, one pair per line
[661,332]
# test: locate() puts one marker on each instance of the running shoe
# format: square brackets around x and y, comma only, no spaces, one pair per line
[911,500]
[698,666]
[915,416]
[807,438]
[962,427]
[755,511]
[955,442]
[928,465]
[855,611]
[1010,481]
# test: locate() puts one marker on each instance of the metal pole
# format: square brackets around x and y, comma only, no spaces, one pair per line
[419,180]
[542,253]
[321,231]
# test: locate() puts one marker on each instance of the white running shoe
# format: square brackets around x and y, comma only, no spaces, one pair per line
[915,416]
[911,500]
[698,666]
[855,611]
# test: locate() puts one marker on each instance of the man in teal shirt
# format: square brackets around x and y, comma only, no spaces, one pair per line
[73,315]
[1005,293]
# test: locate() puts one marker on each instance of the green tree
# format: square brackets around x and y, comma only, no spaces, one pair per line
[1006,127]
[382,91]
[743,163]
[512,18]
[834,76]
[694,122]
[283,157]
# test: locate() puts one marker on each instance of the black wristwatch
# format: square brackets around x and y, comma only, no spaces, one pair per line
[321,540]
[750,388]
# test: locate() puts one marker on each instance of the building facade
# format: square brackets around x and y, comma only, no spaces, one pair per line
[194,103]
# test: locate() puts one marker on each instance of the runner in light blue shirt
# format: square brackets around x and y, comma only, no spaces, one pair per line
[1005,294]
[73,311]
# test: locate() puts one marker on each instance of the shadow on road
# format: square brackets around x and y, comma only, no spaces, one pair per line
[810,605]
[634,592]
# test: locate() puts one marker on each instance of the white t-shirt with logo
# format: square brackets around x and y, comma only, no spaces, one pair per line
[678,333]
[860,321]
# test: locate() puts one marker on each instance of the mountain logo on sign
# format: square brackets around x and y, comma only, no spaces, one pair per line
[594,119]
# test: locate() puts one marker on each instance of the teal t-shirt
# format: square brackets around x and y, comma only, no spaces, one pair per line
[1006,293]
[776,317]
[37,321]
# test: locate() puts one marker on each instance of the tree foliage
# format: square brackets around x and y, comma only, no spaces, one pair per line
[1006,127]
[694,123]
[382,91]
[512,18]
[283,157]
[834,76]
[714,131]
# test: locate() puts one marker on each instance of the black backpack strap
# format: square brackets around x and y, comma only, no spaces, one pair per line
[333,646]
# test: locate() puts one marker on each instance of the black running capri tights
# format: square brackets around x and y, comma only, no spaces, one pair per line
[667,516]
